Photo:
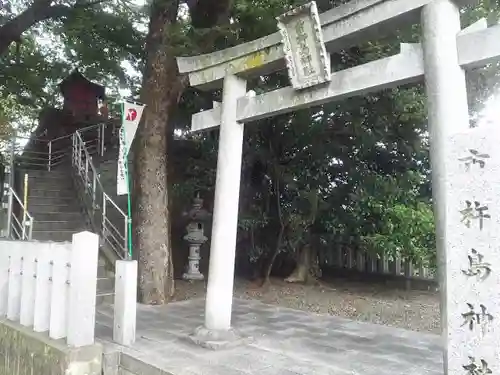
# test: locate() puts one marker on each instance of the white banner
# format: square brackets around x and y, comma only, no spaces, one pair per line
[132,114]
[121,185]
[131,118]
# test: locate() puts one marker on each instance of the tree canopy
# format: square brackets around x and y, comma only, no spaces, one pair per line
[41,42]
[354,173]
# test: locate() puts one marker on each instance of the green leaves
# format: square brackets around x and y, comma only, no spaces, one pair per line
[8,112]
[402,230]
[98,39]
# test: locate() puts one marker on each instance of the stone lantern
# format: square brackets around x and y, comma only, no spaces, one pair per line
[195,237]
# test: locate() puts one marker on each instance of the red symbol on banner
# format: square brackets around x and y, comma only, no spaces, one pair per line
[131,115]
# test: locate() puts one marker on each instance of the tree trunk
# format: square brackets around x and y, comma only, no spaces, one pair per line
[279,214]
[272,259]
[307,269]
[161,89]
[301,272]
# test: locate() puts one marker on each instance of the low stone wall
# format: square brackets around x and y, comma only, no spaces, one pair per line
[24,352]
[117,363]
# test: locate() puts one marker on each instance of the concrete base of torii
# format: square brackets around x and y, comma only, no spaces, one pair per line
[216,339]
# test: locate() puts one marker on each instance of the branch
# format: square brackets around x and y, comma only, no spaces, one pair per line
[191,4]
[38,11]
[208,13]
[89,4]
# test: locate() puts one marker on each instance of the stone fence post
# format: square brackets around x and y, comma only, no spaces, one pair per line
[124,323]
[83,288]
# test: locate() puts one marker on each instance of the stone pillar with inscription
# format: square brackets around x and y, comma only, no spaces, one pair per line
[473,252]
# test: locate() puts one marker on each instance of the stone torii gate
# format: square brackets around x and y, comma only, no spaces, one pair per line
[302,47]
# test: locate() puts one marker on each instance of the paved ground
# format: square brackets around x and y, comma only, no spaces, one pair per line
[366,301]
[284,342]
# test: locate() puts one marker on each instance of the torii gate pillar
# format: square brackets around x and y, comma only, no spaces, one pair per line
[448,113]
[219,301]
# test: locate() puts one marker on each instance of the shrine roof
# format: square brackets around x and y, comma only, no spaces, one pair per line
[76,77]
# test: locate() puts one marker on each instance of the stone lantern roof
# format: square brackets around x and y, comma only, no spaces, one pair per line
[197,212]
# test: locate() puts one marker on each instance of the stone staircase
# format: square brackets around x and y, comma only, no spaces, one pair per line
[54,203]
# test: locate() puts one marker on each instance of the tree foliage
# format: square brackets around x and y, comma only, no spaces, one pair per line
[43,41]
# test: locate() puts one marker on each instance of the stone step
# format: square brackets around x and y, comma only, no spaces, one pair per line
[37,188]
[129,365]
[41,181]
[56,236]
[102,270]
[60,174]
[105,285]
[105,297]
[52,192]
[43,215]
[47,206]
[46,212]
[36,200]
[75,226]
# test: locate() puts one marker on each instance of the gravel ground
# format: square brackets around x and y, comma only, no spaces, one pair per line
[375,303]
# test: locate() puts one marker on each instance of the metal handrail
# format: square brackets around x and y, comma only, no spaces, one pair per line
[97,201]
[49,156]
[23,230]
[40,152]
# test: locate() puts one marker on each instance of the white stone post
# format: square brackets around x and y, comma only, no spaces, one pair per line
[28,286]
[447,113]
[4,277]
[83,288]
[125,313]
[15,284]
[59,296]
[41,319]
[225,219]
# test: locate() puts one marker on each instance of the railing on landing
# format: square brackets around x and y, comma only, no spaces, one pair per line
[39,153]
[99,205]
[44,153]
[17,228]
[18,221]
